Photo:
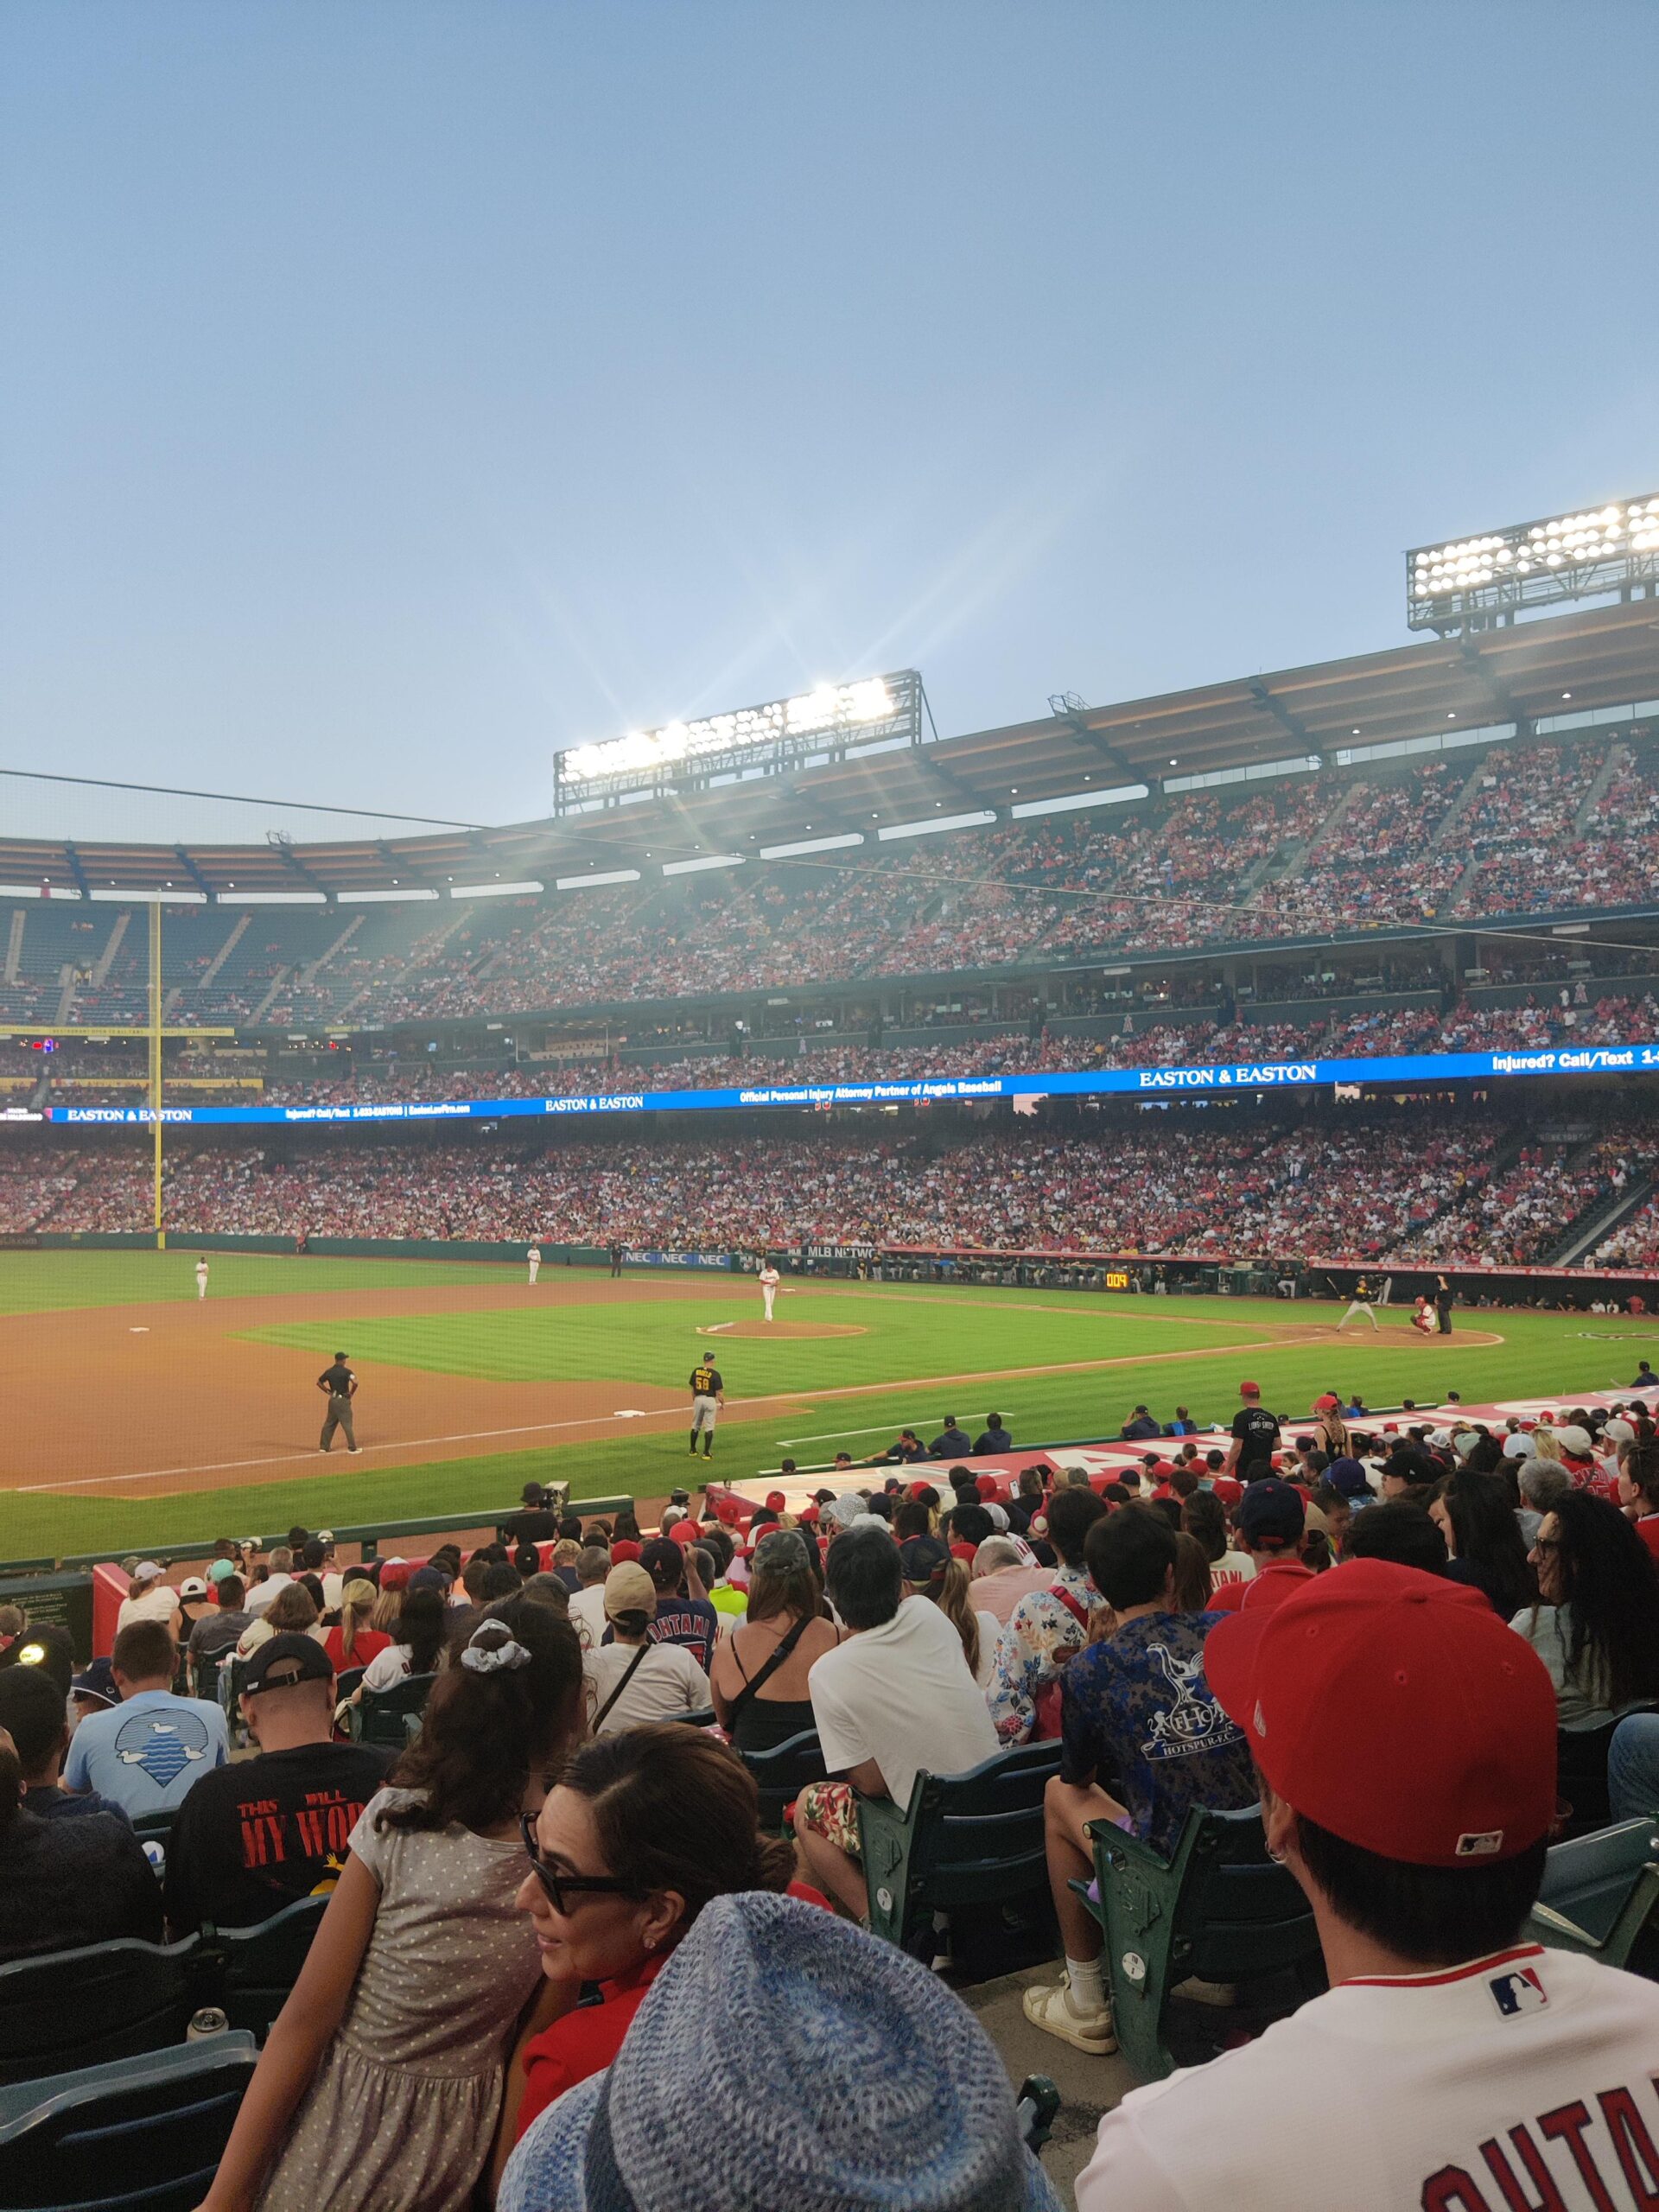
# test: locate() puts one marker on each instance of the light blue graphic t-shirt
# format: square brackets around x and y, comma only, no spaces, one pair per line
[147,1751]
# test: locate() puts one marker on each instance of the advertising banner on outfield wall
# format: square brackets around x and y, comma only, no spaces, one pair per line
[1145,1082]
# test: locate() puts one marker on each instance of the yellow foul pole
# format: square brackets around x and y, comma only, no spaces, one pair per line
[156,1061]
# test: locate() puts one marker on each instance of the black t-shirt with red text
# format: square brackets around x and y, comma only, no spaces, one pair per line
[258,1834]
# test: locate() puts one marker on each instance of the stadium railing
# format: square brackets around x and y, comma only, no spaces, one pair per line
[369,1535]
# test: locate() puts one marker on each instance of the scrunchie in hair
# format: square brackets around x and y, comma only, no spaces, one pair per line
[490,1658]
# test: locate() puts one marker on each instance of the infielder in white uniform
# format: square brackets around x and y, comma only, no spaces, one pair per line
[534,1256]
[1405,1749]
[769,1279]
[202,1279]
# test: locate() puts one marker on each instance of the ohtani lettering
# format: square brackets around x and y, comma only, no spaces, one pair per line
[1615,2163]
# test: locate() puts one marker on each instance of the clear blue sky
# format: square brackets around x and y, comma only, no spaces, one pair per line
[393,393]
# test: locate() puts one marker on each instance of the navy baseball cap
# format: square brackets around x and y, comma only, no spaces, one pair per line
[1272,1512]
[97,1681]
[1348,1477]
[924,1557]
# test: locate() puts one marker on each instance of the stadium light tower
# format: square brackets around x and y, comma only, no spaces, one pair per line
[877,710]
[1480,584]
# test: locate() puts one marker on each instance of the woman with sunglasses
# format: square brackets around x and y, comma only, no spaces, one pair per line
[381,2080]
[641,1831]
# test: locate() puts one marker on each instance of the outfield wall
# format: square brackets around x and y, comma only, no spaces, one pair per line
[1131,1273]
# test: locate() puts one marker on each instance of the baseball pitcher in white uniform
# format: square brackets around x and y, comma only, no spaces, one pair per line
[201,1280]
[534,1256]
[769,1279]
[1404,1739]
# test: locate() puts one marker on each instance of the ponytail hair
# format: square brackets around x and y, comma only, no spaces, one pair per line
[356,1602]
[507,1707]
[424,1626]
[675,1810]
[955,1603]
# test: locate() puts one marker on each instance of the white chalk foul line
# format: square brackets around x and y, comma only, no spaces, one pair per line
[292,1458]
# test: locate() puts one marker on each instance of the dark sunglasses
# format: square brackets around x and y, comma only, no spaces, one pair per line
[564,1889]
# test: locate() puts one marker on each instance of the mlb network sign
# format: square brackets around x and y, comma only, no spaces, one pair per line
[1095,1082]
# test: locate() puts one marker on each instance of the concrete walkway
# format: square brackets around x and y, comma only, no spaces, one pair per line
[1088,2086]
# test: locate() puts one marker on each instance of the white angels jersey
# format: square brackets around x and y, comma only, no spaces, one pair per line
[1527,2081]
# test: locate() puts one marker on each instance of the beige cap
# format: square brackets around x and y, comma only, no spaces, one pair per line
[629,1589]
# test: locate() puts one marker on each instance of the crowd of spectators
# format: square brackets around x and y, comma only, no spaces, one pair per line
[544,1911]
[1407,1186]
[1308,855]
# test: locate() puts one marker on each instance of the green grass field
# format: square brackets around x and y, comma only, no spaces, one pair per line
[847,1391]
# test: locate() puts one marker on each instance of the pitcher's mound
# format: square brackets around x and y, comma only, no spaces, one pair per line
[752,1327]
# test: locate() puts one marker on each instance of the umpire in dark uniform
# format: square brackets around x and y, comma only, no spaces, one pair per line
[1444,1295]
[338,1385]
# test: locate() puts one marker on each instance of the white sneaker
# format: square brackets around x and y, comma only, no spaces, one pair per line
[1197,1991]
[1049,2006]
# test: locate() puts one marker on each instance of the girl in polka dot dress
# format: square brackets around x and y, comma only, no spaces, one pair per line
[381,2082]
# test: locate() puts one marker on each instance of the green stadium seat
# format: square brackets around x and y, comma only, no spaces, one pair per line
[963,1840]
[782,1773]
[145,2132]
[380,1716]
[104,2002]
[1599,1891]
[232,1674]
[259,1966]
[1219,1910]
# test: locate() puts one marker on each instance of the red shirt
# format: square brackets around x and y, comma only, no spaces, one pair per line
[585,2041]
[371,1643]
[1233,1596]
[1648,1530]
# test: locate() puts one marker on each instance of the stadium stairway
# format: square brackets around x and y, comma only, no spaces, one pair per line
[1599,1218]
[1619,757]
[1465,798]
[1284,859]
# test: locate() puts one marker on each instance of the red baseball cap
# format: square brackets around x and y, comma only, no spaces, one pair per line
[775,1501]
[1327,1404]
[1228,1488]
[1250,1389]
[684,1534]
[808,1514]
[626,1549]
[985,1486]
[1428,1683]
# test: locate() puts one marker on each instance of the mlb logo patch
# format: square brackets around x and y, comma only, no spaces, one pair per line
[1519,1991]
[1480,1843]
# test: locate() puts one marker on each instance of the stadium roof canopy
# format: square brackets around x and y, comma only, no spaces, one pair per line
[1603,657]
